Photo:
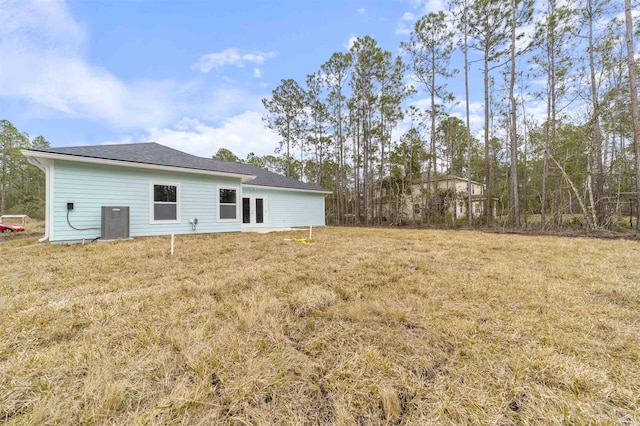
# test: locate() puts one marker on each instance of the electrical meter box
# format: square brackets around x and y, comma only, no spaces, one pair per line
[115,222]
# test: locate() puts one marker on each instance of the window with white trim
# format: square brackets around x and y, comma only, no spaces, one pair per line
[165,202]
[227,204]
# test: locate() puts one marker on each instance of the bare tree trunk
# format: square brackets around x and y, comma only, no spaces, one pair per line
[487,153]
[288,149]
[524,163]
[634,103]
[597,132]
[515,201]
[557,211]
[433,180]
[3,182]
[575,191]
[383,133]
[365,169]
[591,200]
[466,95]
[550,129]
[545,173]
[365,165]
[356,168]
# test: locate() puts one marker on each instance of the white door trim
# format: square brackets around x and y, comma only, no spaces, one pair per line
[253,213]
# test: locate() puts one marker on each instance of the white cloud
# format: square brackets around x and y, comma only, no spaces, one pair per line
[241,134]
[43,63]
[476,114]
[48,22]
[528,34]
[257,73]
[70,86]
[362,11]
[214,60]
[474,106]
[476,119]
[402,30]
[258,58]
[230,56]
[427,6]
[408,16]
[405,24]
[350,42]
[222,102]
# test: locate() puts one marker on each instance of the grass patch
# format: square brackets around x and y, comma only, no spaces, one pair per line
[366,326]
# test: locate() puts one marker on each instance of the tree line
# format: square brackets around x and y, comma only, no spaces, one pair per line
[557,139]
[22,186]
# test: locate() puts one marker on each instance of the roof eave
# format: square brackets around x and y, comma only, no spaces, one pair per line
[284,188]
[122,163]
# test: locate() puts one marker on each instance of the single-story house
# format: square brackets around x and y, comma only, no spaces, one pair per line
[146,189]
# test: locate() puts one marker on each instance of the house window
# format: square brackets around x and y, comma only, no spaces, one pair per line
[165,206]
[227,204]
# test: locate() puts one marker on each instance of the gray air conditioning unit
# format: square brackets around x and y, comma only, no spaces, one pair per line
[115,222]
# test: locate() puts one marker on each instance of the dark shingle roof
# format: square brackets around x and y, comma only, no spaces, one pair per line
[156,154]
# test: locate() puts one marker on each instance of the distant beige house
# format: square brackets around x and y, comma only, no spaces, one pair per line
[442,193]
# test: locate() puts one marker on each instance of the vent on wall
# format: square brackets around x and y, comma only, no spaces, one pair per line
[115,222]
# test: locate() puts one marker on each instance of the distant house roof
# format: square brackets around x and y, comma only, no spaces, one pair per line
[440,177]
[152,153]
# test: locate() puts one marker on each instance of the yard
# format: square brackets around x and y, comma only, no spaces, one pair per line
[364,326]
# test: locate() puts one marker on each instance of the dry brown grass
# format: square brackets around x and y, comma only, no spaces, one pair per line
[367,326]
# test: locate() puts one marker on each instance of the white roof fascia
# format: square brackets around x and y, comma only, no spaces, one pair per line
[34,161]
[281,188]
[123,163]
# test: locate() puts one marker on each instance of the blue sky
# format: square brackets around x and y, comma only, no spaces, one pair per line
[191,74]
[185,73]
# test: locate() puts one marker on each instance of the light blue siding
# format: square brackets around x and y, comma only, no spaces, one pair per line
[91,186]
[286,208]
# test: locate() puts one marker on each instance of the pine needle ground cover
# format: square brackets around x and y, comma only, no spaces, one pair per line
[364,326]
